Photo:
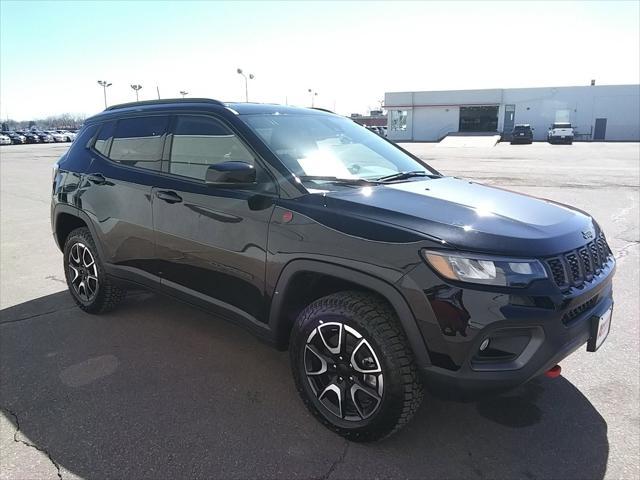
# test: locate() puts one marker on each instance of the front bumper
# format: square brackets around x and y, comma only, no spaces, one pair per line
[560,139]
[529,330]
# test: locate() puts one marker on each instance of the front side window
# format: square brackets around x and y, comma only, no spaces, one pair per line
[330,146]
[199,142]
[398,120]
[139,141]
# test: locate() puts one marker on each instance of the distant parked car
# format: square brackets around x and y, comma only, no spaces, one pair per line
[68,135]
[4,139]
[57,137]
[379,130]
[16,139]
[31,137]
[560,133]
[522,133]
[45,137]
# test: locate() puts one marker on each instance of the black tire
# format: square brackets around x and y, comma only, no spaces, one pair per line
[399,388]
[99,296]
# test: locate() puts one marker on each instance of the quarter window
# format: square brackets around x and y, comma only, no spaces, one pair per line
[202,141]
[104,138]
[139,141]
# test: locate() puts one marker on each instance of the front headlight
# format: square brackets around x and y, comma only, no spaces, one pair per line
[484,269]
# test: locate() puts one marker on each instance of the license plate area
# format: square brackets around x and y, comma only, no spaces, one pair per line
[600,328]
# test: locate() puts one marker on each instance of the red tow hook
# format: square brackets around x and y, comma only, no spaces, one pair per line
[553,372]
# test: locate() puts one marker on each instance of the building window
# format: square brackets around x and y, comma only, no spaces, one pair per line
[398,120]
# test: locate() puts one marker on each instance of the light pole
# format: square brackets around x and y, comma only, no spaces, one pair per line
[313,95]
[104,84]
[246,83]
[136,88]
[183,93]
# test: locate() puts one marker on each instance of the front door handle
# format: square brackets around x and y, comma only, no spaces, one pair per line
[168,196]
[97,178]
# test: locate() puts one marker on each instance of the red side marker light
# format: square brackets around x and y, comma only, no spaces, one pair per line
[287,217]
[553,372]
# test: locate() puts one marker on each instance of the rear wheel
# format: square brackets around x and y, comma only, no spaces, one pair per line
[88,284]
[352,366]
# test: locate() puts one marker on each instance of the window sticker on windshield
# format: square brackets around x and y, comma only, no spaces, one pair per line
[324,163]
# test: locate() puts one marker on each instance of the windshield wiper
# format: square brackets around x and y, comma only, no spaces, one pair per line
[403,176]
[344,181]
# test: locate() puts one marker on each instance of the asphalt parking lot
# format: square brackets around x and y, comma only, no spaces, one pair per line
[158,389]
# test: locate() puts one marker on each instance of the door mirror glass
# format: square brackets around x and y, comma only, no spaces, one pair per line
[231,174]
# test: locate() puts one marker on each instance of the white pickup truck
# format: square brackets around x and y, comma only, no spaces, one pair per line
[560,133]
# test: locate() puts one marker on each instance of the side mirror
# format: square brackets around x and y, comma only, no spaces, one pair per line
[231,174]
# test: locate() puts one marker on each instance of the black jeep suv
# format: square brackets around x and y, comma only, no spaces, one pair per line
[377,272]
[522,133]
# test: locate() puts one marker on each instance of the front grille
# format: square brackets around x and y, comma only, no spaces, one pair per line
[580,309]
[574,268]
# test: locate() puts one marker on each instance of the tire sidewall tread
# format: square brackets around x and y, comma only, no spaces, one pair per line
[108,295]
[374,318]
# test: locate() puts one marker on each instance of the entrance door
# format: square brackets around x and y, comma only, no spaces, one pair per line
[600,129]
[479,119]
[509,120]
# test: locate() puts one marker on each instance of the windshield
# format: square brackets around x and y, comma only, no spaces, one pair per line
[561,125]
[330,146]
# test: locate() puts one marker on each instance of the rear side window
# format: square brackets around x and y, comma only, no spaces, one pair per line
[139,141]
[202,141]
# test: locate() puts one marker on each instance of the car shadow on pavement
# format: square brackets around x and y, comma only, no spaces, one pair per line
[158,389]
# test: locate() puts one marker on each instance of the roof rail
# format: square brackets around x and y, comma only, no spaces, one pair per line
[164,101]
[322,110]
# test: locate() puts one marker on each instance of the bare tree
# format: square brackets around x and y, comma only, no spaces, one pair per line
[63,121]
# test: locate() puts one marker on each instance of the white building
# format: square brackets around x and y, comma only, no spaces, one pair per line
[607,112]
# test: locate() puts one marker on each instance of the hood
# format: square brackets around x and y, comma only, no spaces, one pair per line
[471,216]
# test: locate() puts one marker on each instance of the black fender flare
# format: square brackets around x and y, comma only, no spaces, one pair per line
[64,208]
[280,329]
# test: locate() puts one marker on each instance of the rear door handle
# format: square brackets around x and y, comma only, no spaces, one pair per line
[168,196]
[97,178]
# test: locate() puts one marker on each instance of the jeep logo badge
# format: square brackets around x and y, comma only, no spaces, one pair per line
[587,234]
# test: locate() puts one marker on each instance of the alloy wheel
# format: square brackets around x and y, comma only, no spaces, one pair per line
[83,272]
[343,371]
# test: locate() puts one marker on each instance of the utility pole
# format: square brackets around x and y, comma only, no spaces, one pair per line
[104,84]
[183,93]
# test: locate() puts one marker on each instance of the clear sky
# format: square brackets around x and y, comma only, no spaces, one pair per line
[52,53]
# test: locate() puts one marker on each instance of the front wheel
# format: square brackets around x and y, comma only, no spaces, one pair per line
[353,367]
